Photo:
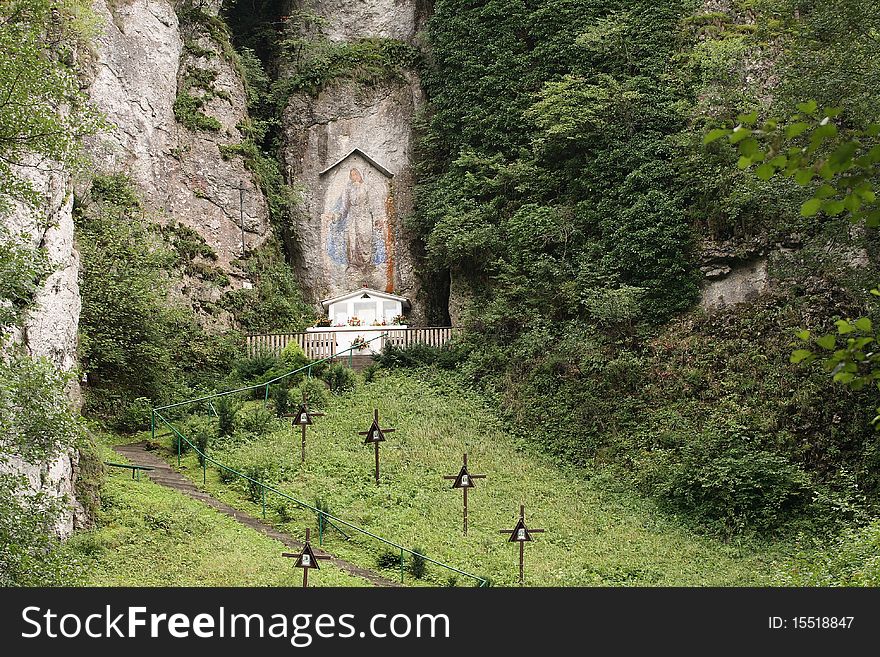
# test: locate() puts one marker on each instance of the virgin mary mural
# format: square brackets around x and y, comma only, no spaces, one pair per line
[356,231]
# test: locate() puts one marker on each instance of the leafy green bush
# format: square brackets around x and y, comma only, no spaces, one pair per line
[281,399]
[22,269]
[292,357]
[740,488]
[28,549]
[258,474]
[418,565]
[254,368]
[134,342]
[315,391]
[227,410]
[283,512]
[388,560]
[340,378]
[256,421]
[851,559]
[227,476]
[275,301]
[135,416]
[35,414]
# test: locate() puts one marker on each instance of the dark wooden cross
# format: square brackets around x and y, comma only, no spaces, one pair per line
[521,534]
[375,434]
[303,418]
[306,559]
[464,480]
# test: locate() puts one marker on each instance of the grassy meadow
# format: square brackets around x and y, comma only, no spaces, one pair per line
[597,534]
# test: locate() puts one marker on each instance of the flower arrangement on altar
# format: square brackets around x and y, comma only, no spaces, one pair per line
[323,321]
[360,342]
[399,319]
[379,322]
[354,320]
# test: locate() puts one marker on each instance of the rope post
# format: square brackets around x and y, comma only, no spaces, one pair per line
[263,488]
[401,565]
[309,372]
[266,398]
[320,528]
[204,470]
[152,425]
[178,450]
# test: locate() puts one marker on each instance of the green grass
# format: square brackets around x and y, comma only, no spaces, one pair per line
[149,535]
[597,532]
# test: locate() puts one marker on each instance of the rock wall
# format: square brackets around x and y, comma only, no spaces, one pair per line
[49,330]
[349,148]
[143,57]
[344,20]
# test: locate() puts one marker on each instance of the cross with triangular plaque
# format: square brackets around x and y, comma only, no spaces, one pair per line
[306,559]
[303,418]
[521,534]
[375,434]
[464,480]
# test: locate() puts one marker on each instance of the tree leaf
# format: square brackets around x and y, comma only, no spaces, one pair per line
[716,134]
[748,119]
[766,171]
[827,342]
[800,355]
[803,177]
[843,327]
[833,208]
[739,133]
[809,107]
[864,324]
[811,207]
[796,129]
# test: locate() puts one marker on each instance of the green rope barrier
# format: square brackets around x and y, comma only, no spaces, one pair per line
[305,505]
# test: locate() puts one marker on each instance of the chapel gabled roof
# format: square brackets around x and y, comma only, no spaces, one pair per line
[357,151]
[360,292]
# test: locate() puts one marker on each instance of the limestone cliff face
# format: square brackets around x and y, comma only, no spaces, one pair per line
[349,148]
[144,59]
[346,20]
[49,330]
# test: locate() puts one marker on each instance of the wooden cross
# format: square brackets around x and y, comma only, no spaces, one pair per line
[521,534]
[464,480]
[375,435]
[306,559]
[303,418]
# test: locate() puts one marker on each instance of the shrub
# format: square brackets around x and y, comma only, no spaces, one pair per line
[283,512]
[340,378]
[227,476]
[28,549]
[256,421]
[178,444]
[258,473]
[418,565]
[254,368]
[281,399]
[851,559]
[388,560]
[738,487]
[227,410]
[292,357]
[135,416]
[370,372]
[316,393]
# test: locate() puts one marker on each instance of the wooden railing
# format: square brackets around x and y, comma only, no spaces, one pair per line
[324,344]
